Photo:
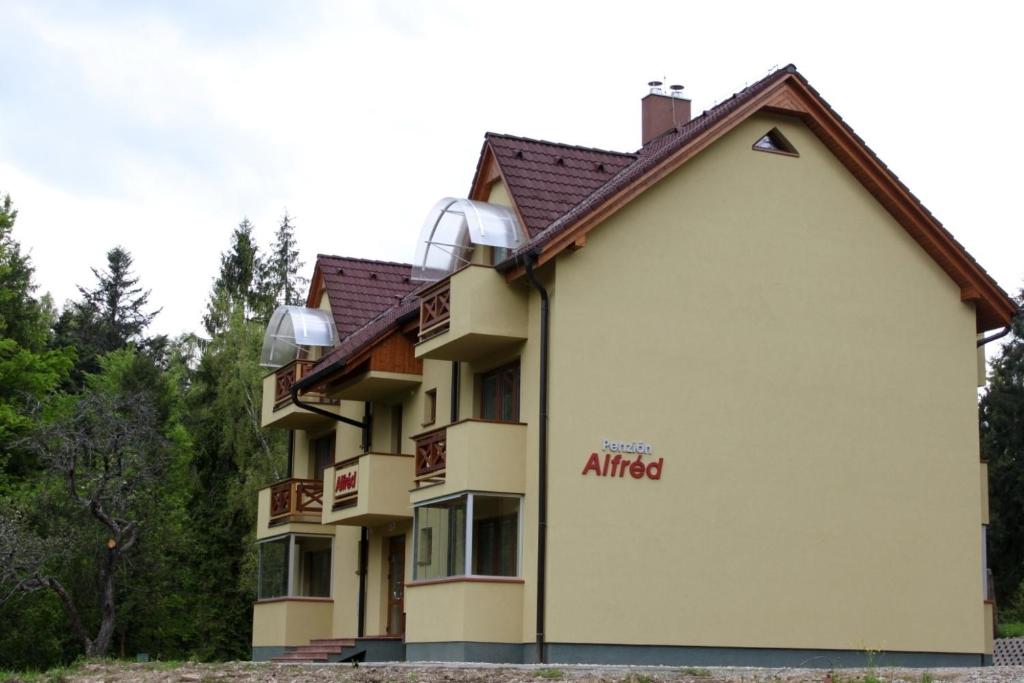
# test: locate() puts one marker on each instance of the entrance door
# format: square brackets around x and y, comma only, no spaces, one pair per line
[396,586]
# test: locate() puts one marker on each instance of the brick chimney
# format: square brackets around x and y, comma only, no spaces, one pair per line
[661,113]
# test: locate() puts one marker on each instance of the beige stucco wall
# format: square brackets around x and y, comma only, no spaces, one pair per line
[808,375]
[464,611]
[290,622]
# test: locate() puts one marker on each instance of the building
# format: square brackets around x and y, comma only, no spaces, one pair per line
[709,402]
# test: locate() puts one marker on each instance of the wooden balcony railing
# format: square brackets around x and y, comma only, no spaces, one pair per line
[289,374]
[435,309]
[431,452]
[294,498]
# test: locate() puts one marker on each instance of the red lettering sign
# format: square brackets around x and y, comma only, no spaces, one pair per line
[618,466]
[345,482]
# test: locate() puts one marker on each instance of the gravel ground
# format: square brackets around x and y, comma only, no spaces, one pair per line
[449,673]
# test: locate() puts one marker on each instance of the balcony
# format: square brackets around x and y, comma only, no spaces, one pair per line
[370,489]
[471,313]
[278,409]
[471,455]
[287,503]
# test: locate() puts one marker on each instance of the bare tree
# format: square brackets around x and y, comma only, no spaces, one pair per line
[108,451]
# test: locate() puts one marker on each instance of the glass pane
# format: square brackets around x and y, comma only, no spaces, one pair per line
[495,536]
[314,567]
[323,455]
[509,398]
[489,397]
[441,539]
[291,327]
[273,573]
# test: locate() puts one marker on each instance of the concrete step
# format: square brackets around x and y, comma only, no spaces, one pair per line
[332,642]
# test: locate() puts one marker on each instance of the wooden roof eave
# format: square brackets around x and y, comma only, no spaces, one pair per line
[488,171]
[793,96]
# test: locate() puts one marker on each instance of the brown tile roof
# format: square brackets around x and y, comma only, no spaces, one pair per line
[547,179]
[660,149]
[373,330]
[649,156]
[554,187]
[361,289]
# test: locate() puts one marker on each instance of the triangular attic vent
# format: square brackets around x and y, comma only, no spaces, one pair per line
[775,141]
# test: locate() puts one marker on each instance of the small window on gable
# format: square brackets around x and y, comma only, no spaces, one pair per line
[775,141]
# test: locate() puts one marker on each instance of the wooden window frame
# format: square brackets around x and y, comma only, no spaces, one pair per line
[498,371]
[429,407]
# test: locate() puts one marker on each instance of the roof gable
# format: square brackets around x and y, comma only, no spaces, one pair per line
[784,91]
[545,180]
[358,290]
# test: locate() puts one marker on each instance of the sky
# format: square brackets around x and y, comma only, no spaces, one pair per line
[158,126]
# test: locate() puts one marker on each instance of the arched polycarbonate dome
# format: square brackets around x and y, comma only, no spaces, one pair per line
[291,327]
[451,229]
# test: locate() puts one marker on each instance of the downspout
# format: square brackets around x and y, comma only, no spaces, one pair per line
[364,553]
[364,534]
[291,451]
[542,459]
[456,381]
[998,335]
[364,560]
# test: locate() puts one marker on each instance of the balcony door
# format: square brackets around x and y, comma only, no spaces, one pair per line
[396,586]
[322,450]
[499,393]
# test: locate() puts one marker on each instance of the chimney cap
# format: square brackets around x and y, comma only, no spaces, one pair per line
[677,90]
[655,87]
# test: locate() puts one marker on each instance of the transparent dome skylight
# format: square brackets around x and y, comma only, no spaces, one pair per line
[451,229]
[292,327]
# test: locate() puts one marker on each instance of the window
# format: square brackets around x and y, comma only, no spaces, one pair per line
[396,428]
[499,393]
[468,535]
[295,566]
[775,141]
[429,407]
[322,450]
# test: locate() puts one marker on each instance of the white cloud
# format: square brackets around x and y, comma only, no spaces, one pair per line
[357,116]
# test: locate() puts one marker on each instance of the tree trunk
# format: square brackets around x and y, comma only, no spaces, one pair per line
[108,614]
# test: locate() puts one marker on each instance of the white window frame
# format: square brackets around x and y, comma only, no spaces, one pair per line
[293,559]
[467,559]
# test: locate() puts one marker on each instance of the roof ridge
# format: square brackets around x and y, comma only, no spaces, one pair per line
[364,260]
[646,157]
[507,136]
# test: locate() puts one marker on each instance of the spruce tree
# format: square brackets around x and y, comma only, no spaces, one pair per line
[285,284]
[109,316]
[1002,444]
[241,283]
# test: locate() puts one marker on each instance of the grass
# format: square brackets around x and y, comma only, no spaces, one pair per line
[639,678]
[1010,630]
[550,674]
[56,675]
[696,673]
[60,674]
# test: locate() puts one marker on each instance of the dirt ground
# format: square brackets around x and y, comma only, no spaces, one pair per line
[447,673]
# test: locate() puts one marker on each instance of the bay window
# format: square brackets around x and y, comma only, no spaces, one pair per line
[471,534]
[295,566]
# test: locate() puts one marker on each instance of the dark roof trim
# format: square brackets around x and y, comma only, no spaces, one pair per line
[782,91]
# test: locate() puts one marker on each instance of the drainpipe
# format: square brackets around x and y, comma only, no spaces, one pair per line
[542,459]
[291,451]
[364,534]
[456,380]
[364,554]
[294,393]
[364,560]
[998,335]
